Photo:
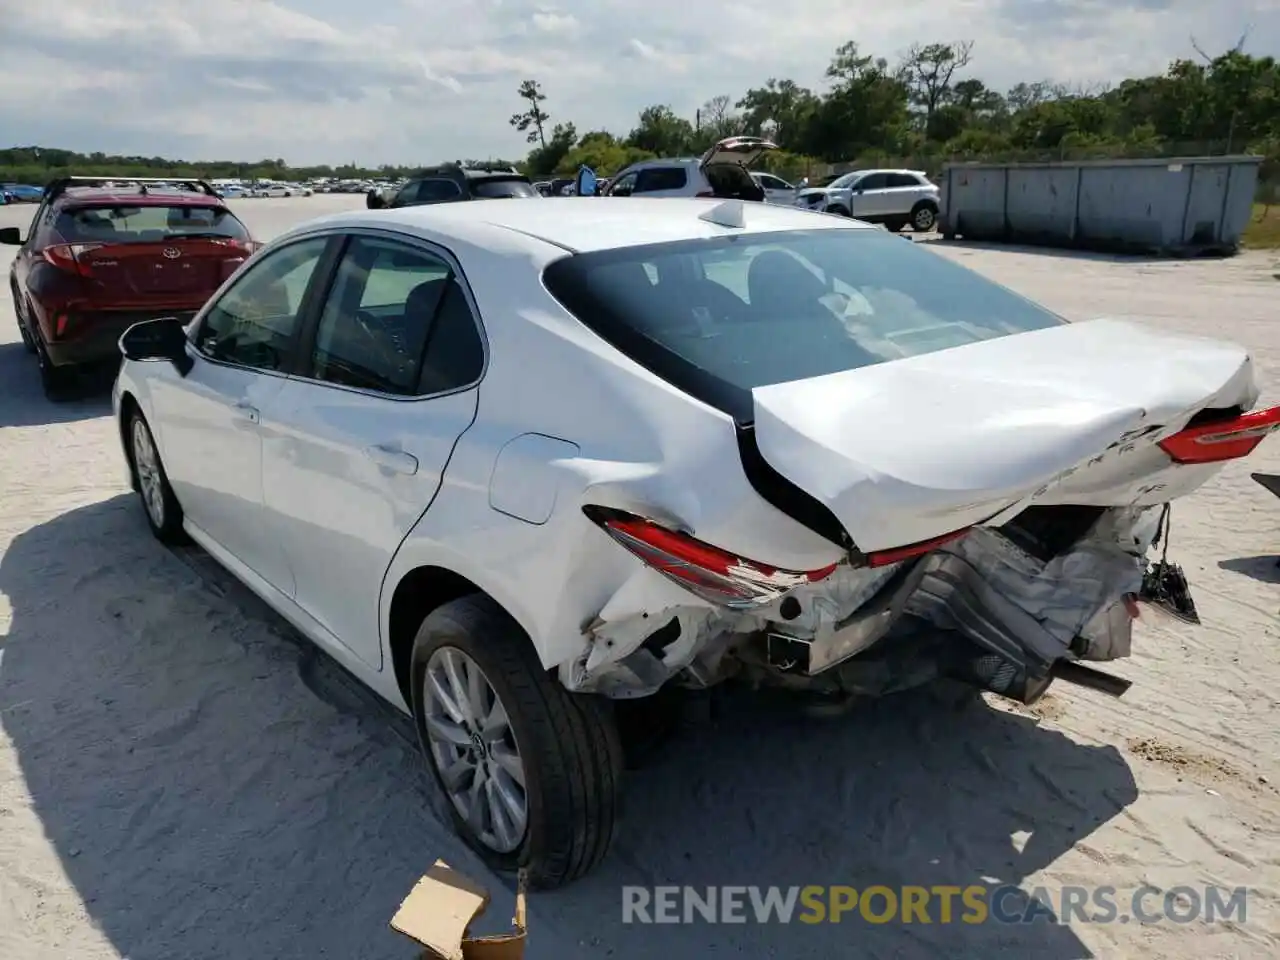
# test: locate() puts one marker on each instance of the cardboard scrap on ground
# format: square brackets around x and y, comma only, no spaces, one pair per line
[439,911]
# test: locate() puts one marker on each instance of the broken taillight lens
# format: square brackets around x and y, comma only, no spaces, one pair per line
[66,256]
[1224,440]
[713,574]
[884,558]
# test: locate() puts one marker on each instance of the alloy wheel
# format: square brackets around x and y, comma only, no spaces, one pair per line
[147,464]
[474,749]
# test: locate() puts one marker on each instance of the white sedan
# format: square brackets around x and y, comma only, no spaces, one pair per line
[509,461]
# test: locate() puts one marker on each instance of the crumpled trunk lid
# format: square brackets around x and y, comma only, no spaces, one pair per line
[908,450]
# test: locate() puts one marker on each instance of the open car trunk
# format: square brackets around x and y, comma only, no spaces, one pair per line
[727,167]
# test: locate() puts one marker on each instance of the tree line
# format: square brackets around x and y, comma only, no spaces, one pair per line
[920,111]
[927,109]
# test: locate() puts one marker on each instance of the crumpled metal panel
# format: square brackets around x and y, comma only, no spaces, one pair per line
[1031,611]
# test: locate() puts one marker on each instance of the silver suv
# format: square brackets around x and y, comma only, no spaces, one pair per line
[720,172]
[892,197]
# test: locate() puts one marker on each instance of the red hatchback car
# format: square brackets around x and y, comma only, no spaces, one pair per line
[105,253]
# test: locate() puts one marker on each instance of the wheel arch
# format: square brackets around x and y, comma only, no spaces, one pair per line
[128,406]
[418,592]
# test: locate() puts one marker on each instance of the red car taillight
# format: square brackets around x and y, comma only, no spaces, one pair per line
[66,256]
[1225,440]
[704,570]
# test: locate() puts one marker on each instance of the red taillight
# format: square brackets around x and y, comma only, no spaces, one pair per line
[883,558]
[1224,440]
[707,571]
[66,256]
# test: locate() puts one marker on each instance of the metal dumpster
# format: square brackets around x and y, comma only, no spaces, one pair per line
[1174,206]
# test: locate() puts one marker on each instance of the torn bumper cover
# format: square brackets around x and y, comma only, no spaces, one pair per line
[1028,612]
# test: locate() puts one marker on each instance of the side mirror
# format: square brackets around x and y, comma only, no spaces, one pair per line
[162,339]
[11,237]
[373,200]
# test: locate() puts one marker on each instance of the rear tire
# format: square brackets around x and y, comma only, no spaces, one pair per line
[159,505]
[56,382]
[924,217]
[19,315]
[524,727]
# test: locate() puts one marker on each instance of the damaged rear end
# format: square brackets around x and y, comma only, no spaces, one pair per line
[991,479]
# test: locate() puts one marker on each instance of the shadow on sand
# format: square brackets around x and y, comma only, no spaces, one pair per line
[217,788]
[25,404]
[1265,568]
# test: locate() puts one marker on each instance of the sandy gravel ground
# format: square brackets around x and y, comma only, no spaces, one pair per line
[181,778]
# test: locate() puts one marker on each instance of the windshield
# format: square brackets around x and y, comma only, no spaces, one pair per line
[114,223]
[495,189]
[718,317]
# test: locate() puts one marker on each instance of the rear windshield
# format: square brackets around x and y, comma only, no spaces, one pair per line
[496,189]
[124,224]
[718,317]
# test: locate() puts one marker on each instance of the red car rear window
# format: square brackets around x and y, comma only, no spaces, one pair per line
[114,223]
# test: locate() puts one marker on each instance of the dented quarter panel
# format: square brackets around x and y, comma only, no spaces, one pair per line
[642,446]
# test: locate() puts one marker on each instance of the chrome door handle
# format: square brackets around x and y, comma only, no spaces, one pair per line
[390,458]
[246,411]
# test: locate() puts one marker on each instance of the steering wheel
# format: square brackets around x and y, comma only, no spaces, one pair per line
[390,358]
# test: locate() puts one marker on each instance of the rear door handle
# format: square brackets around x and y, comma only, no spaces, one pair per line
[246,411]
[390,458]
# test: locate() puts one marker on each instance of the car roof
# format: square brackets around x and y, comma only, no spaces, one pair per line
[156,197]
[451,172]
[584,224]
[672,162]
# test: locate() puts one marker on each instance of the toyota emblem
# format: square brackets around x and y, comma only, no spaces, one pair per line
[171,253]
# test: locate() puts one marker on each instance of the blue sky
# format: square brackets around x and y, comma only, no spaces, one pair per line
[427,80]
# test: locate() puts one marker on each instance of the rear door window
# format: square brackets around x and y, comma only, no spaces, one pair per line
[396,321]
[653,179]
[433,190]
[903,180]
[497,189]
[142,224]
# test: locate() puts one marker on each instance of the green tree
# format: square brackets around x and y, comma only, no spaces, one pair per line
[533,120]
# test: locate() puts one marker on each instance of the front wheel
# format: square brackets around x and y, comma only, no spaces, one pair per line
[163,512]
[531,771]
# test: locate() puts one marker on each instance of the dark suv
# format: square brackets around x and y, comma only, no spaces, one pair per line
[104,253]
[449,183]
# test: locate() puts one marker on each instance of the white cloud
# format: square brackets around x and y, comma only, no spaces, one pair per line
[553,21]
[424,80]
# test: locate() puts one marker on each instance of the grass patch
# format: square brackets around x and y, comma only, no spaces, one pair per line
[1263,231]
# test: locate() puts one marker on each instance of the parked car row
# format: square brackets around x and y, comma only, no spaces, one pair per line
[20,193]
[893,197]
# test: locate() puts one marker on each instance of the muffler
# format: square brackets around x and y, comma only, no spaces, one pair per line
[994,673]
[991,672]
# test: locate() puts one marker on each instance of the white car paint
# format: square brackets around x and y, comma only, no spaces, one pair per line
[876,196]
[776,190]
[325,500]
